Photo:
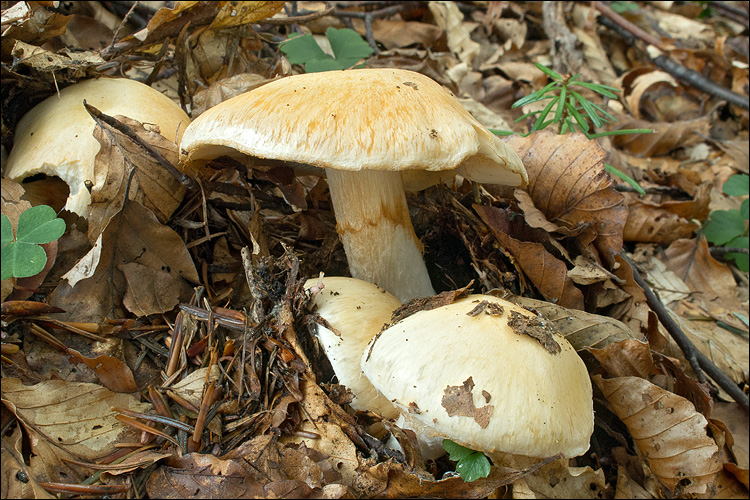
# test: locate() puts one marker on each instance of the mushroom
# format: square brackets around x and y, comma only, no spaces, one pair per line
[363,127]
[488,375]
[354,312]
[56,137]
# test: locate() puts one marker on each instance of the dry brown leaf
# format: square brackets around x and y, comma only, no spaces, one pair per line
[651,223]
[449,18]
[583,330]
[32,23]
[68,421]
[97,284]
[568,184]
[17,478]
[692,261]
[668,431]
[113,373]
[259,468]
[152,185]
[666,137]
[395,480]
[399,34]
[549,274]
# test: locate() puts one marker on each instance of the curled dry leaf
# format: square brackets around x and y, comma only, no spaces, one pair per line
[713,280]
[669,433]
[113,373]
[668,221]
[548,273]
[666,137]
[152,186]
[568,184]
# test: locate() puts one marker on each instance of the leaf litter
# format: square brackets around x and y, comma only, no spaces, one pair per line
[232,370]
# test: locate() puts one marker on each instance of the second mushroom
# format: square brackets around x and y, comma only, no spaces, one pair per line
[363,127]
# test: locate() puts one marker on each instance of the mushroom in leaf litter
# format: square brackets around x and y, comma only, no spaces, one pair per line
[56,137]
[488,375]
[363,127]
[353,312]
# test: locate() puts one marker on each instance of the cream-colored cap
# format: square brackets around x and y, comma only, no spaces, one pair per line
[377,119]
[484,383]
[356,310]
[56,137]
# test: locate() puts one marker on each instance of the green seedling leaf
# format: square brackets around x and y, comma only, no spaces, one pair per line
[302,49]
[22,260]
[741,259]
[535,96]
[588,108]
[39,225]
[724,226]
[24,257]
[612,170]
[581,121]
[745,209]
[601,89]
[560,104]
[737,185]
[547,71]
[347,45]
[348,48]
[7,230]
[471,465]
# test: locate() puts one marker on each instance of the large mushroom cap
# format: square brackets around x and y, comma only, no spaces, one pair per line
[56,137]
[376,119]
[483,382]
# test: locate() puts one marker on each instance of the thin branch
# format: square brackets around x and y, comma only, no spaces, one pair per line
[699,361]
[656,50]
[297,19]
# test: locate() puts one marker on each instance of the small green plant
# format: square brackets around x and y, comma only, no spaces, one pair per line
[572,111]
[348,48]
[621,7]
[23,257]
[471,465]
[729,228]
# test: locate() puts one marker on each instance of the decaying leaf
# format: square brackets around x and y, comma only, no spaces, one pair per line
[459,400]
[132,235]
[568,184]
[548,273]
[152,185]
[68,420]
[669,433]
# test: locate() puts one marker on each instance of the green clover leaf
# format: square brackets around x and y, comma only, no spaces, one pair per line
[23,257]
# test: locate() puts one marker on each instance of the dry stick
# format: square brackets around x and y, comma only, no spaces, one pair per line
[616,22]
[721,251]
[297,19]
[697,80]
[184,179]
[692,354]
[368,18]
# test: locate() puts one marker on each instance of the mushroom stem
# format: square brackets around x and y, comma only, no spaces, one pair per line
[372,220]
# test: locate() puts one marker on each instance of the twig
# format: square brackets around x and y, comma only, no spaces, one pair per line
[730,11]
[695,357]
[184,179]
[722,251]
[697,80]
[368,18]
[297,19]
[627,25]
